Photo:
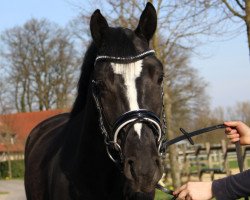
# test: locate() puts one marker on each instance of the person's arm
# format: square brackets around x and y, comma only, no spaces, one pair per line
[232,187]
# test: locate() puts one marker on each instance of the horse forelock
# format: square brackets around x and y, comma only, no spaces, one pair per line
[118,42]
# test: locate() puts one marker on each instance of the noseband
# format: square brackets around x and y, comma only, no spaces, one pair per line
[126,119]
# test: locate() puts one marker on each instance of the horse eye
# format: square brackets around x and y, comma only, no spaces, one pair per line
[160,79]
[101,85]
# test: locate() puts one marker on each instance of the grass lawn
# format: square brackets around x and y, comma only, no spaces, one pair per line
[159,195]
[2,193]
[234,164]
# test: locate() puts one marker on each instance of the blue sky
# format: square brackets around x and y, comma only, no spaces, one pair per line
[227,69]
[224,65]
[17,12]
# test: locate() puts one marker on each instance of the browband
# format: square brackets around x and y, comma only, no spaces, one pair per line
[124,59]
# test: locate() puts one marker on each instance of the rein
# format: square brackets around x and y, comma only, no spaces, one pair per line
[188,136]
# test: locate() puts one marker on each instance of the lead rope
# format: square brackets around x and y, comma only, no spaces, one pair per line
[240,158]
[239,155]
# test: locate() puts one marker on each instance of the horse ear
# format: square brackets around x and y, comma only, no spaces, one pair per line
[97,25]
[148,22]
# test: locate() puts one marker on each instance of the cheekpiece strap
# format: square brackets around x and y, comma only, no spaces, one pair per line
[125,59]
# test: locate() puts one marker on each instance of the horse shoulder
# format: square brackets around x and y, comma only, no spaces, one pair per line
[40,150]
[58,184]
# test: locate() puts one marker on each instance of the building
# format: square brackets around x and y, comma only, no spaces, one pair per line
[14,130]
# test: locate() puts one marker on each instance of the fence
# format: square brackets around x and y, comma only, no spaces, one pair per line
[205,161]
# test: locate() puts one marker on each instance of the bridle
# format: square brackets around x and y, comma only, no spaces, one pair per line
[129,118]
[157,125]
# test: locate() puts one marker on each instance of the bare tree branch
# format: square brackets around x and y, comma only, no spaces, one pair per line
[233,11]
[240,5]
[42,62]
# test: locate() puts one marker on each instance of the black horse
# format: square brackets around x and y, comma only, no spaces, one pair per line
[107,147]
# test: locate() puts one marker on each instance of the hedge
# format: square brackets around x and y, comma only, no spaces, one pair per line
[17,169]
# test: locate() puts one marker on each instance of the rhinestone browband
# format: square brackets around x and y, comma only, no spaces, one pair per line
[103,57]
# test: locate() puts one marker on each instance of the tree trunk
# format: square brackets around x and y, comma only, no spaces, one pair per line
[28,96]
[16,98]
[173,154]
[9,163]
[22,100]
[247,21]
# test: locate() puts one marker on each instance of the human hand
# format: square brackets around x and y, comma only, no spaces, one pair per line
[238,131]
[195,191]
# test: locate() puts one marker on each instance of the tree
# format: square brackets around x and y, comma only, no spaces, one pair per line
[205,118]
[241,10]
[7,140]
[41,62]
[241,111]
[208,117]
[225,13]
[5,98]
[185,96]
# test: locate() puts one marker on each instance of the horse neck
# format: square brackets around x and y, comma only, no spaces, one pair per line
[84,81]
[83,136]
[84,158]
[91,143]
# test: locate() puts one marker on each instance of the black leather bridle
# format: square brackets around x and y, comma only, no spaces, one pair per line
[126,119]
[157,125]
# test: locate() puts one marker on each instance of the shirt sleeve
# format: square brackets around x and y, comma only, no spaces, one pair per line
[232,187]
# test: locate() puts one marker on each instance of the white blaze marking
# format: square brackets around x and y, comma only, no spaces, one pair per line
[129,73]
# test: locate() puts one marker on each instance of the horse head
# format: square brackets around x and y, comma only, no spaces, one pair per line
[127,83]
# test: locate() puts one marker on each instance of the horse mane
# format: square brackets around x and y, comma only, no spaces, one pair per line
[85,78]
[63,137]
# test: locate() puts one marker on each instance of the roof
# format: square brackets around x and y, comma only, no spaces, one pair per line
[20,125]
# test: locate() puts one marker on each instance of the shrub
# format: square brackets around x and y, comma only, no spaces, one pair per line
[17,168]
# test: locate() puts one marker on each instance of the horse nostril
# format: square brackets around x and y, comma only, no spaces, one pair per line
[131,168]
[131,162]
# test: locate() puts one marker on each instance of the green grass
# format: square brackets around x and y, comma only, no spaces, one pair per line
[159,195]
[233,164]
[2,193]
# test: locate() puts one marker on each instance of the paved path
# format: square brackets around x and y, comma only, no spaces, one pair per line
[13,188]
